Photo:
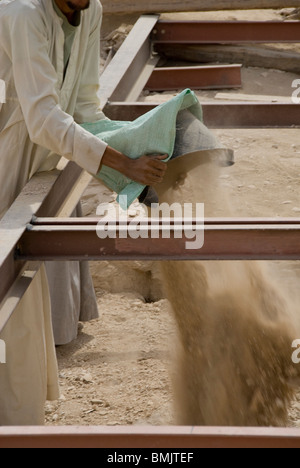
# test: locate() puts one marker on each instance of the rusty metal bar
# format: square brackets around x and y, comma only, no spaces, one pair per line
[120,77]
[94,221]
[153,240]
[155,438]
[225,32]
[220,115]
[204,77]
[252,115]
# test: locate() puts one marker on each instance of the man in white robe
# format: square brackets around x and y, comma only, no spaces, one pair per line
[51,87]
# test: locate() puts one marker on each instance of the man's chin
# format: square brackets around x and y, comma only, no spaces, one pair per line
[74,7]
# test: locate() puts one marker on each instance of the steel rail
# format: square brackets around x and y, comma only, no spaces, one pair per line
[94,221]
[223,115]
[155,438]
[151,239]
[225,32]
[203,77]
[120,77]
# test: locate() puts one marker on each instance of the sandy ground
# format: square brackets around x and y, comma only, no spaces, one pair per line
[119,370]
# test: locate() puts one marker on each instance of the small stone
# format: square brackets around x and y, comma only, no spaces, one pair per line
[89,411]
[296,210]
[97,402]
[87,378]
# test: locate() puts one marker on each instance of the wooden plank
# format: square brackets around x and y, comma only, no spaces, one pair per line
[155,438]
[252,97]
[248,55]
[165,6]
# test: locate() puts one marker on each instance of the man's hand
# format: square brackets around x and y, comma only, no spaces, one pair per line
[147,170]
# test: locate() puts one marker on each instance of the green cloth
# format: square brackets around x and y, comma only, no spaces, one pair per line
[152,133]
[69,32]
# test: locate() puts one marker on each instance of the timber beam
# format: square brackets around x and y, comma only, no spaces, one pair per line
[126,7]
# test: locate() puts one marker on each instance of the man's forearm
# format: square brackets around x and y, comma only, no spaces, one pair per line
[115,160]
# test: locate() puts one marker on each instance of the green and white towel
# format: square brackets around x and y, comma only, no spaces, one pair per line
[152,133]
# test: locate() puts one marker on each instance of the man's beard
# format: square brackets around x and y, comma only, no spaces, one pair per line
[75,7]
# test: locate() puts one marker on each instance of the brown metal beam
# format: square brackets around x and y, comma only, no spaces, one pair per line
[205,77]
[93,221]
[155,438]
[120,77]
[225,32]
[244,241]
[220,115]
[252,115]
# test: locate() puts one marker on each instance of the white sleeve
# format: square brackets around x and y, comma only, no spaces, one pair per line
[35,79]
[88,106]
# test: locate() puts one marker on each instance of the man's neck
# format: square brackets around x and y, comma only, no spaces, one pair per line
[69,14]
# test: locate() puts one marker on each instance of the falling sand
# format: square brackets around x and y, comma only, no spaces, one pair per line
[235,327]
